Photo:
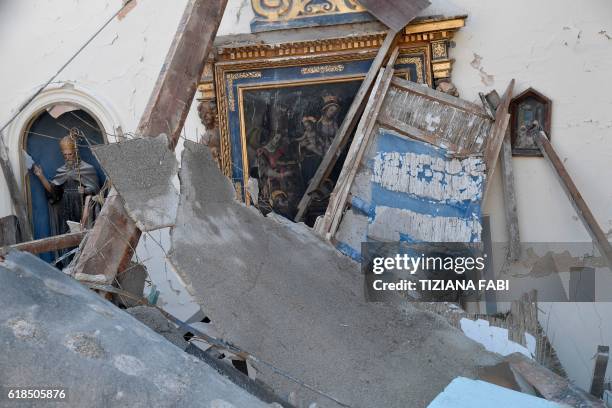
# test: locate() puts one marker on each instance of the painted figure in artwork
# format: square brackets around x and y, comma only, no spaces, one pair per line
[311,148]
[207,111]
[69,189]
[327,126]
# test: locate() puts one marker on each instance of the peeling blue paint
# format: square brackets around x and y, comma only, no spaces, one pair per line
[349,251]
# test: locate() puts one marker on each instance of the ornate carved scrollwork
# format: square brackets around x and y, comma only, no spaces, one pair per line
[281,10]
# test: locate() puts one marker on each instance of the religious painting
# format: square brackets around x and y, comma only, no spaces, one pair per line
[280,105]
[63,176]
[528,110]
[289,130]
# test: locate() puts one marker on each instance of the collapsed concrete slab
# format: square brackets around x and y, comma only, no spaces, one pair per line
[150,197]
[282,294]
[57,334]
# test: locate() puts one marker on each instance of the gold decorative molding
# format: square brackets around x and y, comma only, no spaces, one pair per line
[285,10]
[442,68]
[418,61]
[439,49]
[320,69]
[443,25]
[230,80]
[416,33]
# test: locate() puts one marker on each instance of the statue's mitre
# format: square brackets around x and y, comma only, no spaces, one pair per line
[67,143]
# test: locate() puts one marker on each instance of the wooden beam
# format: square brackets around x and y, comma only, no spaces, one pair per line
[581,207]
[178,80]
[492,101]
[348,125]
[395,14]
[496,139]
[114,237]
[550,385]
[339,196]
[599,372]
[510,201]
[17,199]
[50,244]
[110,247]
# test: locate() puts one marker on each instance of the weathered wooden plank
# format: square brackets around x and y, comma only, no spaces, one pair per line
[492,100]
[415,133]
[13,188]
[453,123]
[110,247]
[395,14]
[599,372]
[9,230]
[178,80]
[51,244]
[339,196]
[496,139]
[114,236]
[581,207]
[437,96]
[550,385]
[510,201]
[348,125]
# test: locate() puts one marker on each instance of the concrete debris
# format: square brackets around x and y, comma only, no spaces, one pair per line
[157,322]
[149,194]
[132,280]
[56,333]
[282,294]
[463,392]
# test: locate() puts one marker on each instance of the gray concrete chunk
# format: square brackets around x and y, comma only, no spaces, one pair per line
[56,333]
[142,171]
[279,292]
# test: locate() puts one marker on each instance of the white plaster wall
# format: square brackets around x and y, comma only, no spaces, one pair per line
[116,72]
[560,48]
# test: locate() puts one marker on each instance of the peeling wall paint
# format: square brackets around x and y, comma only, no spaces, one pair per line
[435,178]
[396,224]
[417,194]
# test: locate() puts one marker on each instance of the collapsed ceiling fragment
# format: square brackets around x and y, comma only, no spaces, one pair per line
[62,335]
[281,293]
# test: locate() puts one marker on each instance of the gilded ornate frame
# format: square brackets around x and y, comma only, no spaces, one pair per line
[237,68]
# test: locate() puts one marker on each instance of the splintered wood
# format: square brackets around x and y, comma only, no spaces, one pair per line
[459,126]
[416,169]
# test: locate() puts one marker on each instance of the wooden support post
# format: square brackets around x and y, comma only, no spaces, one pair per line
[177,82]
[491,102]
[498,133]
[581,207]
[599,372]
[510,204]
[339,196]
[110,247]
[16,197]
[50,244]
[111,243]
[348,125]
